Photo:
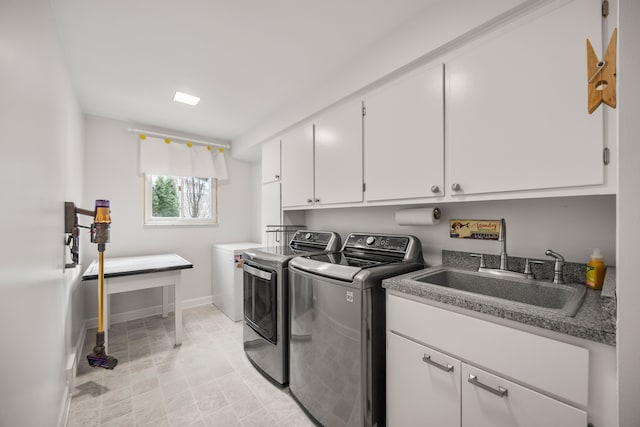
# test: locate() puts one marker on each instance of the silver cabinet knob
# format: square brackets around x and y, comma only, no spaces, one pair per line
[317,200]
[435,189]
[309,201]
[456,187]
[277,176]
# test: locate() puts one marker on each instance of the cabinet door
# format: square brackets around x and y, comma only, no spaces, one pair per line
[516,105]
[271,161]
[338,155]
[270,211]
[404,138]
[423,385]
[297,167]
[516,406]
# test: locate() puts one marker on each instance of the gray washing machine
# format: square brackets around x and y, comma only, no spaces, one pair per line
[266,300]
[337,339]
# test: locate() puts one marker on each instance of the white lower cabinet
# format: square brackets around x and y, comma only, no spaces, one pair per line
[438,365]
[423,385]
[427,387]
[491,401]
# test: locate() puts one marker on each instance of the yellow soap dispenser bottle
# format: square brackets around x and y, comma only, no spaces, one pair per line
[595,270]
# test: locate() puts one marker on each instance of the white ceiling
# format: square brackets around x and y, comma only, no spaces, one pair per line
[244,58]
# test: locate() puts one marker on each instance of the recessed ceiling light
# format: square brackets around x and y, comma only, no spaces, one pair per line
[185,98]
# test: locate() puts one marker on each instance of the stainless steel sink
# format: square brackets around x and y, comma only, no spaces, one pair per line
[565,299]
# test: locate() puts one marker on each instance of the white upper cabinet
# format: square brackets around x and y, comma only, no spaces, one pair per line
[404,138]
[516,105]
[297,167]
[338,155]
[271,161]
[271,211]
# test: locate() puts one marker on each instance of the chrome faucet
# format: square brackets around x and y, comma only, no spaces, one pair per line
[558,266]
[502,238]
[503,270]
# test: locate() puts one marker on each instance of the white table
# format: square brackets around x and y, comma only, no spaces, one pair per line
[126,274]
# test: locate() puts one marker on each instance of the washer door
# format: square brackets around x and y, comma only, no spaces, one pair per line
[261,300]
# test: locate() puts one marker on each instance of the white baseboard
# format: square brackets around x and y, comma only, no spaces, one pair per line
[63,419]
[75,358]
[146,312]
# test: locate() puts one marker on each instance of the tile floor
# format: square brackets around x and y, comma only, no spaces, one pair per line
[207,381]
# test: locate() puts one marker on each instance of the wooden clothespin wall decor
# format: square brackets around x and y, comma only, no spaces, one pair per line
[601,75]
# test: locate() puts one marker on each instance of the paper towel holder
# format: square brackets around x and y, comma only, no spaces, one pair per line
[437,213]
[418,216]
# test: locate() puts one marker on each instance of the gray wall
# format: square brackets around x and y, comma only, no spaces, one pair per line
[111,172]
[41,167]
[568,225]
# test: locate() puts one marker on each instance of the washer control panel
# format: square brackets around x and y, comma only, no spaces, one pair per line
[304,236]
[378,241]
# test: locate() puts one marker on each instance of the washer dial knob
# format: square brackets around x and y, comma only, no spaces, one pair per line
[370,240]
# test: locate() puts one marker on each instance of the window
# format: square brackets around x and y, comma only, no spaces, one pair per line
[180,200]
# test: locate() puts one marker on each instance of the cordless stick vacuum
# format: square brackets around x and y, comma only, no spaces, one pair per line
[100,235]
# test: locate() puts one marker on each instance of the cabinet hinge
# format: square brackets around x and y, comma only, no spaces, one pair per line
[605,155]
[605,8]
[364,110]
[364,187]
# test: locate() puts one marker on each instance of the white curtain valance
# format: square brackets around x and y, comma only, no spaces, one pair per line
[162,156]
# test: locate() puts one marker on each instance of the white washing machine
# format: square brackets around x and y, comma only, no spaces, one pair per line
[227,277]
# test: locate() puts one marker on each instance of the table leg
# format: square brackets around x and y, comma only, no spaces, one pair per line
[177,296]
[165,301]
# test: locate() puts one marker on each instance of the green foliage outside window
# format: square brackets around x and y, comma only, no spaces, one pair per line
[164,197]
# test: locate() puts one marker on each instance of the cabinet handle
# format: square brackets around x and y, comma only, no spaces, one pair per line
[277,176]
[456,187]
[500,391]
[435,189]
[427,359]
[317,200]
[309,201]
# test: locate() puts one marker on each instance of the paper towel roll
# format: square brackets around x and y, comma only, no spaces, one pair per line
[418,216]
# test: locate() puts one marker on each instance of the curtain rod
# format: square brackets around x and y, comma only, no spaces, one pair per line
[179,138]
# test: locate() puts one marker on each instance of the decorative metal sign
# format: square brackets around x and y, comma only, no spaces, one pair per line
[486,229]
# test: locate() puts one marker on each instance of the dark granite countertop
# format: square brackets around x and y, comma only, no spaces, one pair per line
[595,321]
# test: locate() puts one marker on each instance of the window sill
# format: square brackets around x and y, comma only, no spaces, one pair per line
[178,224]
